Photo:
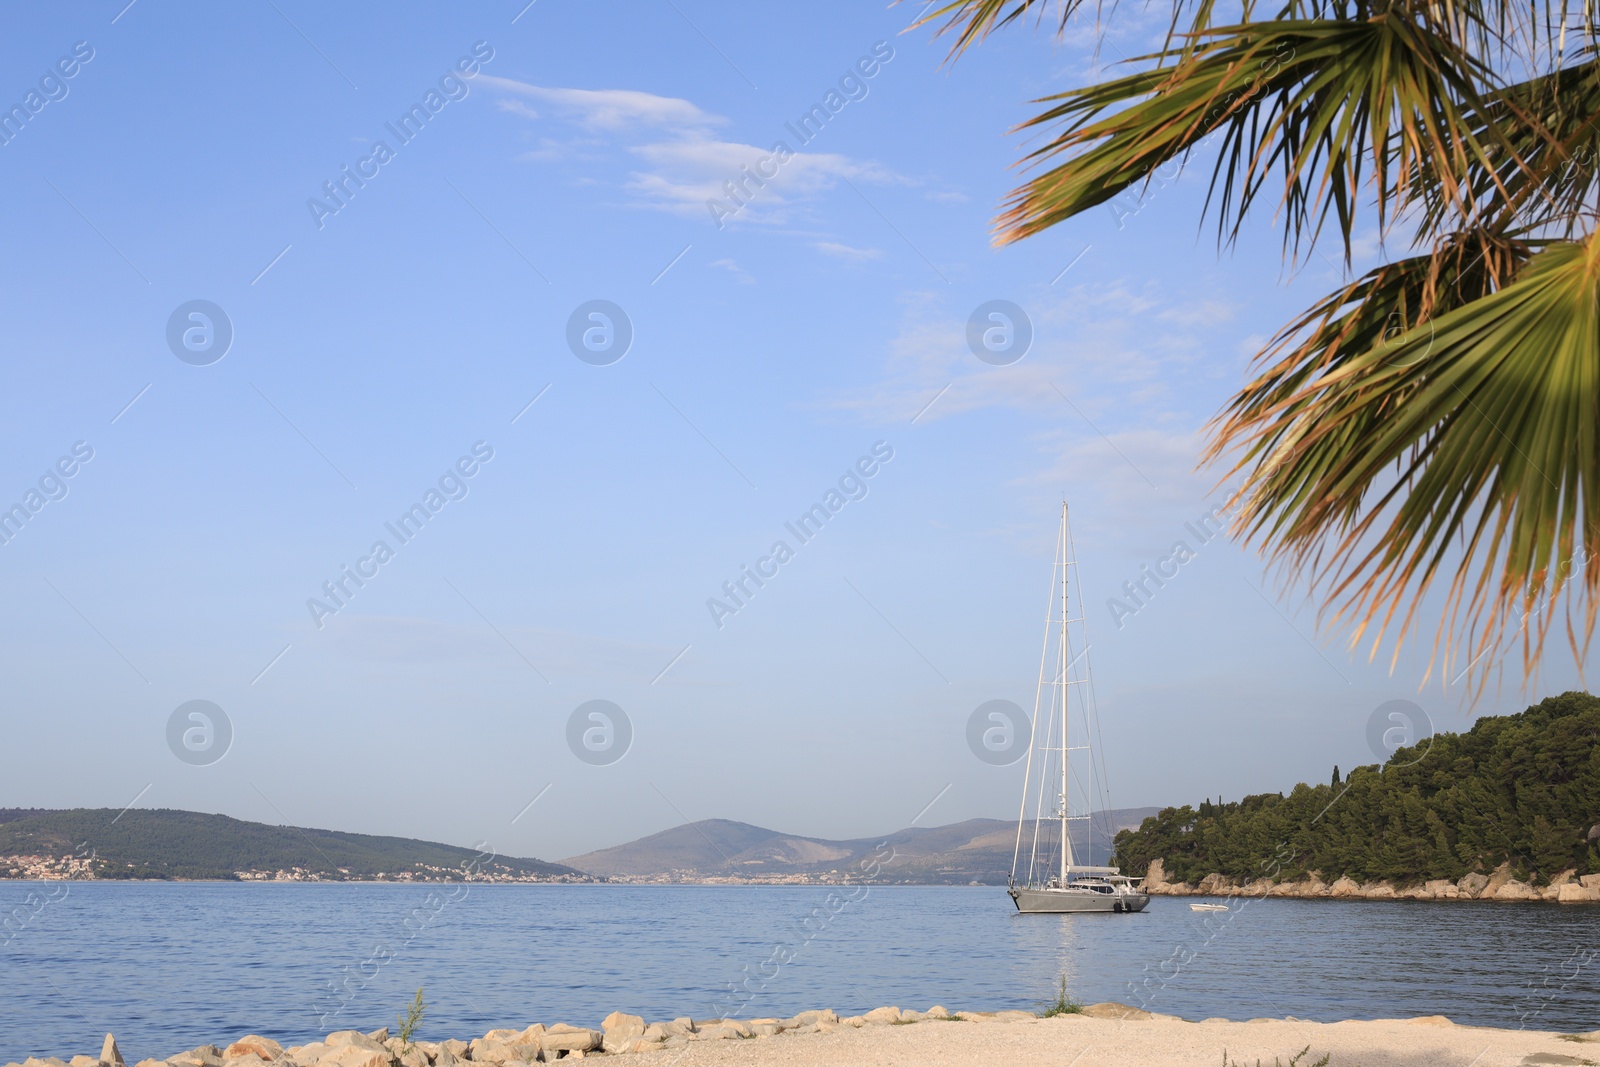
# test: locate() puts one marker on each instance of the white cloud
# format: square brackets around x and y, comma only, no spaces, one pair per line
[612,109]
[683,163]
[733,268]
[846,252]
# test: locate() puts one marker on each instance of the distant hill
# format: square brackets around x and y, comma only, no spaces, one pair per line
[1521,789]
[978,850]
[165,844]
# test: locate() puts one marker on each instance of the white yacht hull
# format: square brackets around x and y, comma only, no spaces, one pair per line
[1071,901]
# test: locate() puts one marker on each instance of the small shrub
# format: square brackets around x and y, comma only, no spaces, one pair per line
[1063,1005]
[411,1018]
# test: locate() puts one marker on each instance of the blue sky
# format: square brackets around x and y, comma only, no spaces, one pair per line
[376,345]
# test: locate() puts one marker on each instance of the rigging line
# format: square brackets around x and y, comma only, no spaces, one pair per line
[1033,737]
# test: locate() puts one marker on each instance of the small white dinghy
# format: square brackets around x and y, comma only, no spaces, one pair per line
[1208,907]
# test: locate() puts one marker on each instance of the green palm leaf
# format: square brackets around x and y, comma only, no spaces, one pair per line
[1472,444]
[1317,101]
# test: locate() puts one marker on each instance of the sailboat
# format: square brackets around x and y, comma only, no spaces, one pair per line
[1046,879]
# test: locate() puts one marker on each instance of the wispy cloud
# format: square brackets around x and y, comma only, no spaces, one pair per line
[608,109]
[846,252]
[681,160]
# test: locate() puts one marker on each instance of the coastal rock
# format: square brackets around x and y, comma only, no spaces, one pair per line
[1471,885]
[768,1027]
[355,1038]
[1112,1010]
[682,1026]
[141,1063]
[1155,876]
[882,1016]
[204,1056]
[564,1038]
[413,1056]
[656,1032]
[1344,887]
[458,1049]
[533,1035]
[250,1045]
[1378,891]
[1515,890]
[938,1011]
[497,1050]
[1216,885]
[715,1033]
[911,1015]
[853,1020]
[352,1055]
[379,1035]
[306,1055]
[110,1055]
[619,1029]
[806,1018]
[1577,893]
[445,1058]
[43,1061]
[82,1061]
[1442,889]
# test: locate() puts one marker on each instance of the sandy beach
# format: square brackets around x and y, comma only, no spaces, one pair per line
[1101,1035]
[1081,1041]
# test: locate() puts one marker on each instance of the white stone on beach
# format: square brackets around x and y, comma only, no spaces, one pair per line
[883,1016]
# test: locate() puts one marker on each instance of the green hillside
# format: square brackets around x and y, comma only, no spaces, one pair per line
[164,843]
[1522,788]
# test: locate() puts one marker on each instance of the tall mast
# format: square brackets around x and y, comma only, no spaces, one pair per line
[1064,689]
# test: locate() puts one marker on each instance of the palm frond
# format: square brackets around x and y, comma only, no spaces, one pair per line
[1544,168]
[1472,445]
[1317,101]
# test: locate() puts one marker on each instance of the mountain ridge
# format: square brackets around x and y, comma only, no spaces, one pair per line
[974,850]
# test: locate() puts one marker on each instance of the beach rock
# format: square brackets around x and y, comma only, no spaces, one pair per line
[412,1056]
[1442,889]
[204,1056]
[1112,1010]
[564,1038]
[1589,881]
[82,1061]
[911,1016]
[682,1026]
[141,1063]
[715,1033]
[1344,887]
[443,1057]
[459,1049]
[531,1036]
[379,1035]
[1216,885]
[263,1048]
[738,1027]
[43,1061]
[882,1016]
[306,1055]
[110,1055]
[1471,885]
[618,1029]
[938,1011]
[1577,893]
[825,1015]
[768,1027]
[353,1055]
[656,1032]
[853,1020]
[486,1050]
[355,1038]
[503,1035]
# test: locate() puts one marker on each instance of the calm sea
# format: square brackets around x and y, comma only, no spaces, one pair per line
[166,967]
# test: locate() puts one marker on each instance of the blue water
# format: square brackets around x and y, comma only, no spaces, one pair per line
[168,966]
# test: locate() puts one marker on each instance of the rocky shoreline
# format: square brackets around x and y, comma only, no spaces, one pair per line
[618,1033]
[1568,887]
[1099,1035]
